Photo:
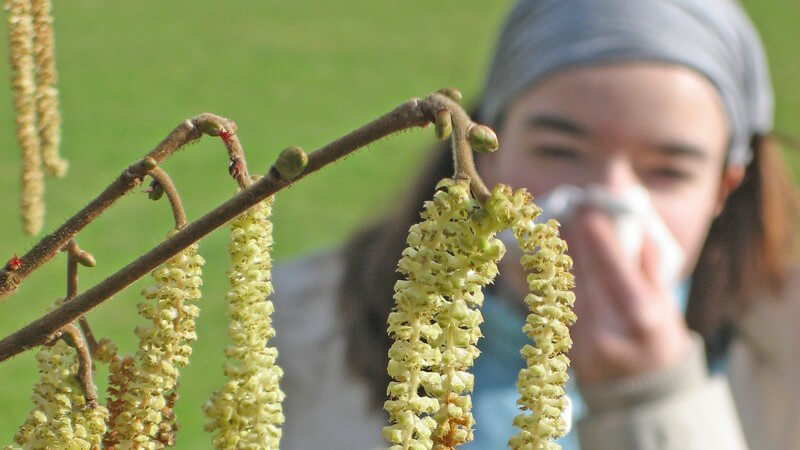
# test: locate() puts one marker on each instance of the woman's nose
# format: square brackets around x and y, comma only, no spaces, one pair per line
[616,175]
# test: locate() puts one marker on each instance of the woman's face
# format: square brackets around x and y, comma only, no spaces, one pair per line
[660,126]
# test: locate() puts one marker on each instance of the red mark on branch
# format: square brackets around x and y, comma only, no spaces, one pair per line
[13,264]
[235,168]
[224,135]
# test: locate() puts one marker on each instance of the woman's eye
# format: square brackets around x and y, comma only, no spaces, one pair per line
[670,174]
[556,152]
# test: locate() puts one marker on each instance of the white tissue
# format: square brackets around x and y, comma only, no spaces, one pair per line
[632,214]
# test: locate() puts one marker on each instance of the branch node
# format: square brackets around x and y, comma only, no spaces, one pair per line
[462,141]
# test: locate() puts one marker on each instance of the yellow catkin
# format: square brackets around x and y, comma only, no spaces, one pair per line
[20,29]
[550,301]
[246,413]
[60,417]
[143,389]
[451,256]
[46,92]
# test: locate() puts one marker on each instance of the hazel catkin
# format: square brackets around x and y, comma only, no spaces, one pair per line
[246,413]
[20,37]
[143,388]
[452,255]
[60,417]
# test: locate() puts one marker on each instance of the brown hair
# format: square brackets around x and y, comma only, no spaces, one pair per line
[748,251]
[749,248]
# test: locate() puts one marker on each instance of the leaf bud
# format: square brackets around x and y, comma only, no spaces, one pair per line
[482,138]
[452,93]
[444,124]
[291,162]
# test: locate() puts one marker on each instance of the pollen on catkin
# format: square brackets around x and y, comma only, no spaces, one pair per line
[49,118]
[143,388]
[60,417]
[246,413]
[451,256]
[20,30]
[550,301]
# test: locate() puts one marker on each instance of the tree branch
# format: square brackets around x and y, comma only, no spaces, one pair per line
[188,131]
[413,113]
[77,256]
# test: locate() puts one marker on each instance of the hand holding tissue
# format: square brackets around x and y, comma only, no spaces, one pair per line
[633,216]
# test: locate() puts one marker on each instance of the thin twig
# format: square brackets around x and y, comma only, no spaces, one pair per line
[188,131]
[77,256]
[165,182]
[413,113]
[226,129]
[74,338]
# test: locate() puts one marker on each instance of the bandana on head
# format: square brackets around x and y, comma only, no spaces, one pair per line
[713,37]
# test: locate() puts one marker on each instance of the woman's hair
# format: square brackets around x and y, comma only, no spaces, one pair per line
[747,254]
[750,248]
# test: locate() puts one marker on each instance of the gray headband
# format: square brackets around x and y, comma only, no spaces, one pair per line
[713,37]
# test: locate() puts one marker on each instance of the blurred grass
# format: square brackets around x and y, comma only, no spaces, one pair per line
[299,72]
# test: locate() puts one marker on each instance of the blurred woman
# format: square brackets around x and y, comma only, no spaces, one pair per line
[650,120]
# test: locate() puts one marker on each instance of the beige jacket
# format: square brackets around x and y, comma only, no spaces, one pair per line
[756,407]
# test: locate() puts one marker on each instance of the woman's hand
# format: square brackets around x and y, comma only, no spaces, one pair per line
[628,323]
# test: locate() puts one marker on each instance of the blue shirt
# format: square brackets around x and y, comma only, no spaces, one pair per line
[495,394]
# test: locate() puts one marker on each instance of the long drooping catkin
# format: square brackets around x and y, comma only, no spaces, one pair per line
[143,388]
[20,31]
[246,413]
[46,92]
[451,255]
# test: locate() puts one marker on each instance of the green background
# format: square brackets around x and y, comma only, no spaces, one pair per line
[298,72]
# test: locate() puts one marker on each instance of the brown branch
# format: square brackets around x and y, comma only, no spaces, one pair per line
[413,113]
[226,129]
[74,338]
[77,256]
[188,131]
[165,183]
